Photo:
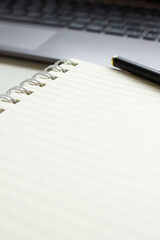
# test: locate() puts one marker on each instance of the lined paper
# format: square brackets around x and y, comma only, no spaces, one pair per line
[80,158]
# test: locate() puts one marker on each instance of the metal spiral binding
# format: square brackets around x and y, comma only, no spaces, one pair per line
[19,89]
[34,81]
[8,98]
[67,62]
[44,74]
[57,68]
[2,110]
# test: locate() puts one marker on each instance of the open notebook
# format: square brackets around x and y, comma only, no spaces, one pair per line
[80,156]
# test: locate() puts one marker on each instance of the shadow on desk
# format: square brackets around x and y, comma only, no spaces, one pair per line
[13,71]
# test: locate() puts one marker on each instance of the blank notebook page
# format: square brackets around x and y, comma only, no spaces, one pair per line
[80,158]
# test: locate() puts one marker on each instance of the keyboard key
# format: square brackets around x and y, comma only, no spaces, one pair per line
[33,14]
[102,23]
[4,11]
[134,33]
[133,23]
[65,18]
[98,10]
[52,22]
[136,28]
[83,20]
[94,28]
[49,15]
[115,19]
[97,14]
[19,18]
[115,31]
[33,8]
[117,24]
[19,12]
[76,25]
[19,5]
[49,10]
[150,36]
[153,28]
[80,14]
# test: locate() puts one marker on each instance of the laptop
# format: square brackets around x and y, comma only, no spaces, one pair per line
[94,31]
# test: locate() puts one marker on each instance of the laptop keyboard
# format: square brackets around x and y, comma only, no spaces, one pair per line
[109,19]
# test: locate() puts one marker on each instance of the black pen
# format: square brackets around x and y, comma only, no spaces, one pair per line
[136,69]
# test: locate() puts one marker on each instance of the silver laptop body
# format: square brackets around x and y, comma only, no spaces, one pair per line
[43,42]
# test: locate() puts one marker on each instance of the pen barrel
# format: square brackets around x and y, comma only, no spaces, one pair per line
[137,69]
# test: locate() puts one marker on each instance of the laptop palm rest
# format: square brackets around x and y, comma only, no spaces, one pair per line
[23,37]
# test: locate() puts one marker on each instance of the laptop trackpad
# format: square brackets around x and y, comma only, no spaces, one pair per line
[23,37]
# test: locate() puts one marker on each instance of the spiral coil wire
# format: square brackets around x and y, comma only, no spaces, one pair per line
[36,82]
[19,89]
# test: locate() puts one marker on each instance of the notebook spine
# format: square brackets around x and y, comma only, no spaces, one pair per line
[34,81]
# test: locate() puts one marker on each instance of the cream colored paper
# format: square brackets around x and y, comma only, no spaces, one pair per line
[80,158]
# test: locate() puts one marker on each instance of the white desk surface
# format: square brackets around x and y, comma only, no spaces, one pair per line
[14,71]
